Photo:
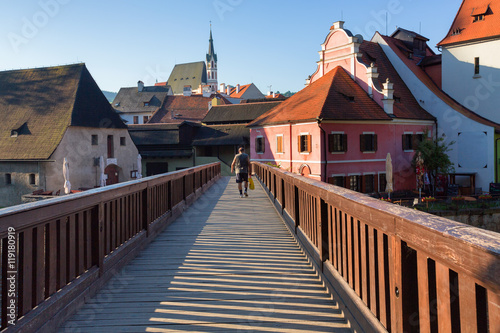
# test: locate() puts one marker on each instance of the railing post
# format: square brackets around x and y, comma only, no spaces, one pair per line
[184,188]
[146,209]
[323,229]
[98,237]
[283,196]
[395,283]
[297,211]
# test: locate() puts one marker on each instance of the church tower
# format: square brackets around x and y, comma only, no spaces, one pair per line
[211,64]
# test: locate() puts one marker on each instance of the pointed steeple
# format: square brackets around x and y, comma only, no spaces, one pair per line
[211,64]
[211,52]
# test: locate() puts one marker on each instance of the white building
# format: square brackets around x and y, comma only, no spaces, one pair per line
[471,67]
[473,134]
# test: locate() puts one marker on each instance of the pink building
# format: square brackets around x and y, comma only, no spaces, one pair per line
[339,129]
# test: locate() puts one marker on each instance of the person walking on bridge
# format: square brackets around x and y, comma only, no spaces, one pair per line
[241,164]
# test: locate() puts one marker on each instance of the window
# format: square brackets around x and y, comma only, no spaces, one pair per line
[123,142]
[337,181]
[355,183]
[369,183]
[8,179]
[411,141]
[136,119]
[145,119]
[95,140]
[111,150]
[146,103]
[337,142]
[279,144]
[382,182]
[368,142]
[32,179]
[304,143]
[476,66]
[259,145]
[478,18]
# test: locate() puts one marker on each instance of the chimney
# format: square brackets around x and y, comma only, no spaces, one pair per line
[222,88]
[140,86]
[269,93]
[388,99]
[274,95]
[238,88]
[372,75]
[187,91]
[228,90]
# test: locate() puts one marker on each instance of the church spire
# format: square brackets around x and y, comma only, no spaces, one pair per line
[211,51]
[211,63]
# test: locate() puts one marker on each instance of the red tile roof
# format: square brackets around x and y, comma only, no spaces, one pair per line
[425,79]
[464,29]
[177,109]
[405,106]
[276,96]
[243,89]
[335,96]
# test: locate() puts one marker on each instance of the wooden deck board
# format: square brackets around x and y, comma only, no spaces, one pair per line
[226,264]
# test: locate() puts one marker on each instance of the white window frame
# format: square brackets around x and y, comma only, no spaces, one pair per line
[305,152]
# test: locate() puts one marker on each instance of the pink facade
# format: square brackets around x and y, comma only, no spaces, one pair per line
[291,159]
[353,162]
[350,164]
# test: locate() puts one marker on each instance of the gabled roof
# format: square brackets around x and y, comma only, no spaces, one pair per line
[243,89]
[149,99]
[335,96]
[220,135]
[237,113]
[177,109]
[413,34]
[464,29]
[405,106]
[42,103]
[425,79]
[193,74]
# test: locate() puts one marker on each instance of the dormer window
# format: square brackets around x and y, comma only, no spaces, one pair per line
[13,134]
[479,13]
[478,18]
[146,103]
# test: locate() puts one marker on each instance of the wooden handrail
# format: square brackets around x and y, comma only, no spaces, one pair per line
[410,269]
[57,248]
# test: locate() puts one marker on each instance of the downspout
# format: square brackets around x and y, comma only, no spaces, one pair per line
[323,177]
[291,163]
[496,160]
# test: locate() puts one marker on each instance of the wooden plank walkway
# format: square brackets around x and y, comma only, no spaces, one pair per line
[227,264]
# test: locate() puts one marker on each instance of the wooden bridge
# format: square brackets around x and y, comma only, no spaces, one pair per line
[182,252]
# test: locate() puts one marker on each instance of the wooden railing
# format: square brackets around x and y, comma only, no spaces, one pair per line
[396,268]
[56,252]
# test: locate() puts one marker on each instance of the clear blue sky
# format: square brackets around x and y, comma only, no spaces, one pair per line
[266,42]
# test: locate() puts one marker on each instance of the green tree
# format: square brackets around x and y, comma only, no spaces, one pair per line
[434,153]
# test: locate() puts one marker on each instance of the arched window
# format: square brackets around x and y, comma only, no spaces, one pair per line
[212,63]
[216,75]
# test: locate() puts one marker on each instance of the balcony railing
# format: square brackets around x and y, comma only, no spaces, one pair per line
[57,252]
[394,267]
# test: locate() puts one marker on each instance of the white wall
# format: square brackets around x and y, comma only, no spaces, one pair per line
[129,117]
[480,94]
[77,147]
[470,144]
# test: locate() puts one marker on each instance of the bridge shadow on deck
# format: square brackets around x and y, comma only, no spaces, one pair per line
[226,264]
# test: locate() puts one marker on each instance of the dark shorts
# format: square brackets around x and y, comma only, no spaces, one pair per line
[241,177]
